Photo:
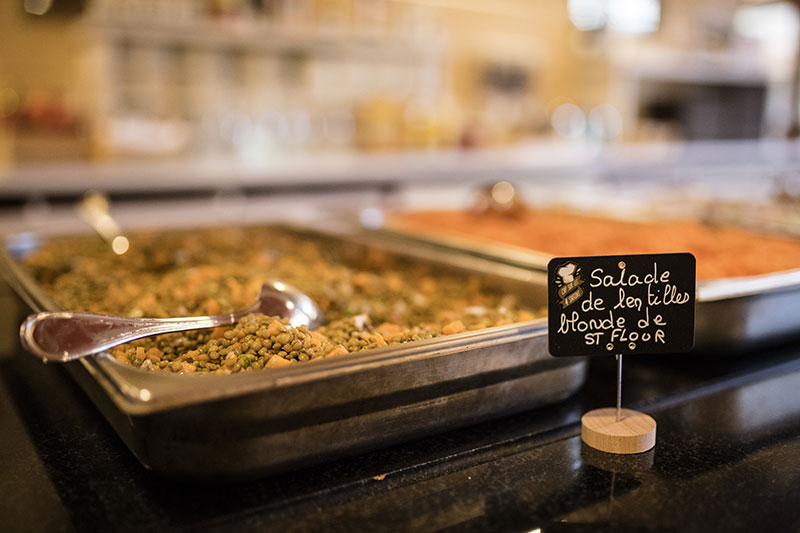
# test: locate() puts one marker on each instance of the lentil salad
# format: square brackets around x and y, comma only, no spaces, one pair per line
[370,298]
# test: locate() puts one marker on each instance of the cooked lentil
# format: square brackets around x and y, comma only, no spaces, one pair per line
[370,298]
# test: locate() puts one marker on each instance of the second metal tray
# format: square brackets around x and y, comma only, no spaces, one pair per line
[733,315]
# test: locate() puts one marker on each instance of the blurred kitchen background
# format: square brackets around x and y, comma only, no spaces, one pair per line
[368,104]
[251,80]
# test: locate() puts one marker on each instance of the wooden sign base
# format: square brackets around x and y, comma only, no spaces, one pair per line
[635,432]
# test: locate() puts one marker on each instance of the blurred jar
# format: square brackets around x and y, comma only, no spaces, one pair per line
[379,123]
[423,127]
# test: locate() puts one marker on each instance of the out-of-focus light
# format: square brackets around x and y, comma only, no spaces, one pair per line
[37,7]
[634,16]
[587,15]
[622,16]
[23,244]
[371,218]
[569,121]
[605,122]
[120,245]
[503,192]
[775,23]
[9,102]
[251,140]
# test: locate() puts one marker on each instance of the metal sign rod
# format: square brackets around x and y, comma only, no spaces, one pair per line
[619,385]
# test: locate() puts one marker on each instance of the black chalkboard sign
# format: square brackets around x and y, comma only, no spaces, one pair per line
[621,304]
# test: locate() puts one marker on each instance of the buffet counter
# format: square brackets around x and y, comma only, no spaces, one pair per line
[727,458]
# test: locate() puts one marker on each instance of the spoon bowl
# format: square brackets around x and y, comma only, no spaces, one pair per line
[64,336]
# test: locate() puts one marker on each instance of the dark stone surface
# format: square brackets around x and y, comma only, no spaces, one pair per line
[727,458]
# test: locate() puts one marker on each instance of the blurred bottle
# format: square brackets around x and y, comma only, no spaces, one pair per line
[426,125]
[505,86]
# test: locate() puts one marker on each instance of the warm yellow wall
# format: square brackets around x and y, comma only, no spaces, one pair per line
[40,53]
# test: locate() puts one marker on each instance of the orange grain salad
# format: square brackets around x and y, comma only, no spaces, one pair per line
[721,251]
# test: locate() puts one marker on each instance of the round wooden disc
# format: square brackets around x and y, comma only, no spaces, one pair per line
[634,433]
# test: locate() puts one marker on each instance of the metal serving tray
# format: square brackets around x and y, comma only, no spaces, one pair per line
[252,424]
[732,315]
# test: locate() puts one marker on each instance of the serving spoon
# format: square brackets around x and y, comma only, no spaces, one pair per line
[64,336]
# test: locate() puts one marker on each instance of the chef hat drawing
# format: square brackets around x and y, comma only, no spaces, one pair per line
[567,272]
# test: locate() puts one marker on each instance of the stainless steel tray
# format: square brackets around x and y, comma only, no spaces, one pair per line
[252,424]
[732,315]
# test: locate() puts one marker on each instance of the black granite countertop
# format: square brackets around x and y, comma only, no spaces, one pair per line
[727,458]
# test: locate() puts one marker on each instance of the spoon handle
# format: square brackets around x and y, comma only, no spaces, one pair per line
[64,336]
